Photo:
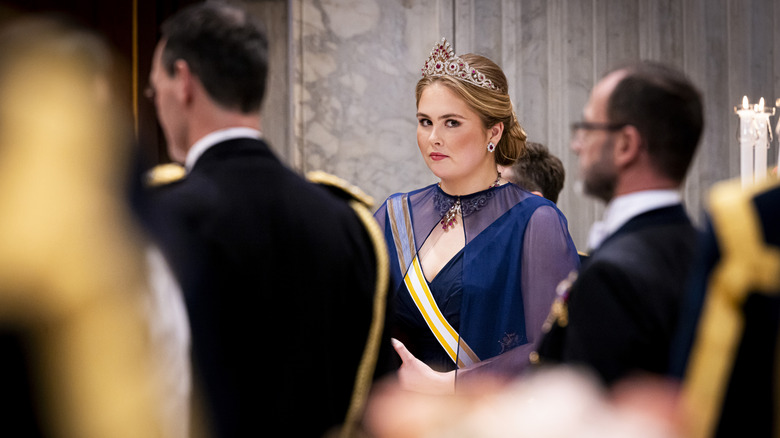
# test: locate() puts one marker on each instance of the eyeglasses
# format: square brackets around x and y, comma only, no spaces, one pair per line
[578,128]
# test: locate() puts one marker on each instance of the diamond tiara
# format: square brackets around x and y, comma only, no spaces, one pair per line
[443,62]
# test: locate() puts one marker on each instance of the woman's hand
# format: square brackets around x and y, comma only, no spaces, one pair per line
[414,375]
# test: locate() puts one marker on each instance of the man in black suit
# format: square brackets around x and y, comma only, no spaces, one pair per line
[279,274]
[641,127]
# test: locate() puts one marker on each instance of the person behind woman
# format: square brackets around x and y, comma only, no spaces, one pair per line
[475,260]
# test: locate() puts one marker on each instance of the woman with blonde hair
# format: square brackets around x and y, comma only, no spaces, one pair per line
[475,260]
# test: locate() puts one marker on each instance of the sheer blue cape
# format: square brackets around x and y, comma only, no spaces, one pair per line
[517,250]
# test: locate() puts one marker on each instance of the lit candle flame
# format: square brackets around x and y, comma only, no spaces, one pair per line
[745,103]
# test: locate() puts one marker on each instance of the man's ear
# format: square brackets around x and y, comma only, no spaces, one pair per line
[184,80]
[628,146]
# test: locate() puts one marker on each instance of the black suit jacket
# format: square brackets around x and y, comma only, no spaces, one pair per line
[278,276]
[623,306]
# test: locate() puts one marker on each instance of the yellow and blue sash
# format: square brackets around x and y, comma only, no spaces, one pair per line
[403,237]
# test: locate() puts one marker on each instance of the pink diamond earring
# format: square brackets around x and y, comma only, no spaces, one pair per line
[491,147]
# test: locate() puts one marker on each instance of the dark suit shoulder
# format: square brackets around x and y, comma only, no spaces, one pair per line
[644,272]
[623,306]
[340,187]
[663,244]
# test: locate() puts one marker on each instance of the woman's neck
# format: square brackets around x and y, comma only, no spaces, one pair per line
[467,186]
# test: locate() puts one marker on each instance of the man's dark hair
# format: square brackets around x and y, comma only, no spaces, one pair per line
[225,47]
[666,109]
[539,170]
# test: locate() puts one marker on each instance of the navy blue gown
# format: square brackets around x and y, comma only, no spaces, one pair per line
[497,290]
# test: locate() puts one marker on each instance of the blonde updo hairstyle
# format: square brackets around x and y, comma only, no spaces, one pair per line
[493,106]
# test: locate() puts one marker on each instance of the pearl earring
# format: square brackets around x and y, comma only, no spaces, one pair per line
[491,147]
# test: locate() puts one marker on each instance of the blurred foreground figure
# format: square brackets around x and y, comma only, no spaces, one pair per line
[727,352]
[557,402]
[76,357]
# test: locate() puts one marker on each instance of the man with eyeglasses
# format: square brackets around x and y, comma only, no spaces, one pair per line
[641,126]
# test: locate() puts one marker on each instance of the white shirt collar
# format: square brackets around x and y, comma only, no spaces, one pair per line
[212,138]
[624,208]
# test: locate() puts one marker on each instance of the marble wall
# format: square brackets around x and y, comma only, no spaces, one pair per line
[343,73]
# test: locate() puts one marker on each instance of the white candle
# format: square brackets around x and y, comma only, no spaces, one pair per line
[746,140]
[762,143]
